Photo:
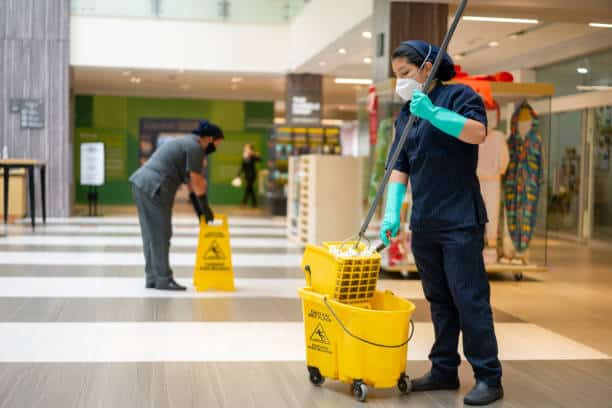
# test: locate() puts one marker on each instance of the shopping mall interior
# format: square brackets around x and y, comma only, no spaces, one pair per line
[290,301]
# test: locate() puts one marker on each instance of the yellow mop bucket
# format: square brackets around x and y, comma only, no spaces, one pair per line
[362,346]
[340,270]
[213,266]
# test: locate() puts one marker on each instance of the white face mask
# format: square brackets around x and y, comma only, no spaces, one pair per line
[404,87]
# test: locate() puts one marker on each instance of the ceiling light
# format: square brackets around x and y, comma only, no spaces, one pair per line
[600,25]
[353,81]
[135,80]
[494,44]
[501,20]
[367,60]
[322,63]
[235,80]
[342,51]
[582,70]
[594,88]
[366,34]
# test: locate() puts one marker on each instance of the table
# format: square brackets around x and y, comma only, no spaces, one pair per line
[29,165]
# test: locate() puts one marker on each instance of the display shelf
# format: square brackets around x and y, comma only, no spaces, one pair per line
[324,198]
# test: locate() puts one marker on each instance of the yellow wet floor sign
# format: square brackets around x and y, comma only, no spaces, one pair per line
[213,267]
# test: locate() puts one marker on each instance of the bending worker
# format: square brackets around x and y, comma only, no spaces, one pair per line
[154,186]
[448,218]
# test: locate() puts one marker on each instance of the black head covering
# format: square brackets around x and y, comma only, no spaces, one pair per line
[446,71]
[206,128]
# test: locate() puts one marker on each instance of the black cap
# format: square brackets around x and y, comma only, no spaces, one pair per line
[206,128]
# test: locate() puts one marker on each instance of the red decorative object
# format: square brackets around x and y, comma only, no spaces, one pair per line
[373,113]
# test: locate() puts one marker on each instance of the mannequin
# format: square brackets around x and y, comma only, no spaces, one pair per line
[522,181]
[493,158]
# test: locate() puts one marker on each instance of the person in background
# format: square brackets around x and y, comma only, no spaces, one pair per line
[154,186]
[249,158]
[448,218]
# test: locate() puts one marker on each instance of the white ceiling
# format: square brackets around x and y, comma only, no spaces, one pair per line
[203,85]
[562,32]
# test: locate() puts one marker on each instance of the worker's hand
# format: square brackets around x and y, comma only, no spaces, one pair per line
[391,221]
[444,119]
[421,106]
[206,210]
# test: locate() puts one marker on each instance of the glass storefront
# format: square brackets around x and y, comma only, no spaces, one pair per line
[564,167]
[602,172]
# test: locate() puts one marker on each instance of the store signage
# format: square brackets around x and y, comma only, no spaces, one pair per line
[32,112]
[305,111]
[92,164]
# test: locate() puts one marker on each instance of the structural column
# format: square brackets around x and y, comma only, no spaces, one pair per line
[397,21]
[34,91]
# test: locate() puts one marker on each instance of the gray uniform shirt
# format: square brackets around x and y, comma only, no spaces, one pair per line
[170,165]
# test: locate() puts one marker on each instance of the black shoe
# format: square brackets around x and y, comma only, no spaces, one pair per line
[170,285]
[428,383]
[150,285]
[482,394]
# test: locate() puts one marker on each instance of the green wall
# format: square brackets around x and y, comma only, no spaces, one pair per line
[115,120]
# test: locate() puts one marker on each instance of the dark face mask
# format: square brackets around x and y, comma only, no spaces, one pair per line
[210,149]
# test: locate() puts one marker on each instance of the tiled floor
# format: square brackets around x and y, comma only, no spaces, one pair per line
[77,328]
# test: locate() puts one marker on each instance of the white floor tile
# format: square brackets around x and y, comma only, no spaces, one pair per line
[137,259]
[244,341]
[129,241]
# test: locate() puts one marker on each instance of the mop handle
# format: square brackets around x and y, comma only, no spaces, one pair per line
[408,127]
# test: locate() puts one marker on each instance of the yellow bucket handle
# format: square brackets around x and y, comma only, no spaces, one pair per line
[371,343]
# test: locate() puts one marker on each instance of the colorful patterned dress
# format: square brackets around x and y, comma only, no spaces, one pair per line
[522,180]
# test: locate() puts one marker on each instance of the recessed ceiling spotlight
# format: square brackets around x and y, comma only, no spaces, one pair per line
[367,34]
[582,70]
[342,51]
[236,80]
[135,80]
[501,20]
[353,81]
[367,60]
[494,44]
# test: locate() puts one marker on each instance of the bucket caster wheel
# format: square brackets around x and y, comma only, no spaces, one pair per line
[404,384]
[315,376]
[360,391]
[518,276]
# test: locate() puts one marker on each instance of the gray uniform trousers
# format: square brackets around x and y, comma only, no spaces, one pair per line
[155,216]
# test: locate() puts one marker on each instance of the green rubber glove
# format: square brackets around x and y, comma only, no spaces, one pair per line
[391,220]
[446,120]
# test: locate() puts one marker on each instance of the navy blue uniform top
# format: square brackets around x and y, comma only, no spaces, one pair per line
[442,169]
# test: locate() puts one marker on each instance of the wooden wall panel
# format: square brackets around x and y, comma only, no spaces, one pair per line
[34,63]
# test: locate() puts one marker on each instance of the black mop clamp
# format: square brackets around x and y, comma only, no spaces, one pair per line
[411,120]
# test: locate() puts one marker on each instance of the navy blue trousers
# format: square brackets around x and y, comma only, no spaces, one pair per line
[455,283]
